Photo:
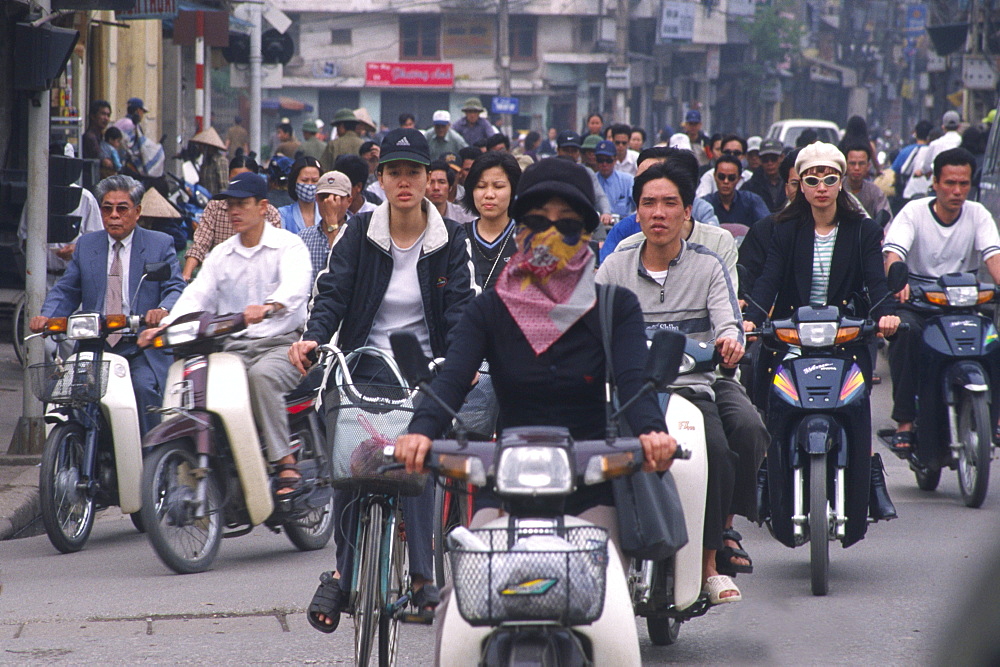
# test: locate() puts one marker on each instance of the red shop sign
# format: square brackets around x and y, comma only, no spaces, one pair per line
[437,75]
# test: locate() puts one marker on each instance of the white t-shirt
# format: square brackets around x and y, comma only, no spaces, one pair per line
[659,276]
[931,249]
[402,307]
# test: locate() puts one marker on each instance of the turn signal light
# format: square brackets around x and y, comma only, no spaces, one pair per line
[789,336]
[937,298]
[112,322]
[159,342]
[985,296]
[56,324]
[845,334]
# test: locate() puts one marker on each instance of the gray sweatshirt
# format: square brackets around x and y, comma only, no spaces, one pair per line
[697,298]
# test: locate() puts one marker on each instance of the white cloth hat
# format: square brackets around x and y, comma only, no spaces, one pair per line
[753,144]
[819,154]
[680,140]
[442,117]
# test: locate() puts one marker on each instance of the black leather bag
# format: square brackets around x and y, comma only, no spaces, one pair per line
[651,522]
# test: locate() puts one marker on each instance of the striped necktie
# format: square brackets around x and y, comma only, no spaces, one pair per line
[113,298]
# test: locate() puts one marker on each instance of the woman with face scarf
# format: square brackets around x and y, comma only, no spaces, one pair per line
[303,211]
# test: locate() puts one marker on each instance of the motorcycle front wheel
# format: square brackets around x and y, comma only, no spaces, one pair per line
[67,510]
[663,630]
[819,526]
[975,447]
[185,536]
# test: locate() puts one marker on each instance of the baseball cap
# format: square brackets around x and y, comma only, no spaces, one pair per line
[590,142]
[568,138]
[605,148]
[692,116]
[247,184]
[334,183]
[951,120]
[771,147]
[820,154]
[753,144]
[405,143]
[557,178]
[442,117]
[680,140]
[136,102]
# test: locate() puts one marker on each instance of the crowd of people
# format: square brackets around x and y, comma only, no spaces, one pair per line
[485,251]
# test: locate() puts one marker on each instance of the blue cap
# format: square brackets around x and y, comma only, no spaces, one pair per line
[247,184]
[692,116]
[606,148]
[136,103]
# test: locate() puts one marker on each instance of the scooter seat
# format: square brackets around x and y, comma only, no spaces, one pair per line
[306,388]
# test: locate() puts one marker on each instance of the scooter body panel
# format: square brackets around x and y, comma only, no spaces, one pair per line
[613,635]
[685,423]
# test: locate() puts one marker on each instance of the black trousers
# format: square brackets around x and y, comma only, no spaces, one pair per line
[904,360]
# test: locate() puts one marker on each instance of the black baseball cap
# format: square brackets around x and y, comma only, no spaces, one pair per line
[568,138]
[247,184]
[405,143]
[557,178]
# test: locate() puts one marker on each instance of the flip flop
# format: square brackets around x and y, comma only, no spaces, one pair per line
[716,586]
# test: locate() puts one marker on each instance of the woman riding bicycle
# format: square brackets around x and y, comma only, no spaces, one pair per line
[401,266]
[827,251]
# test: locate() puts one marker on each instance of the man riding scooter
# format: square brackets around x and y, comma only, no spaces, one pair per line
[263,272]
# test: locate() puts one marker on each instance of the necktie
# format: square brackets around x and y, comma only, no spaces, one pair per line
[113,298]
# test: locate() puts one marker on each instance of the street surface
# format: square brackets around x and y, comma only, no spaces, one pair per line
[891,598]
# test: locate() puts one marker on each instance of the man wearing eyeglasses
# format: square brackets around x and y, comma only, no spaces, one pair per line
[103,277]
[617,185]
[732,205]
[733,146]
[625,157]
[766,182]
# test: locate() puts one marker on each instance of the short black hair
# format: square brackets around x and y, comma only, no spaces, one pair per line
[735,137]
[365,147]
[505,161]
[787,163]
[641,132]
[112,133]
[531,140]
[685,159]
[671,171]
[286,128]
[297,167]
[923,129]
[953,157]
[497,139]
[352,166]
[403,117]
[858,146]
[652,153]
[241,161]
[730,159]
[97,105]
[441,165]
[807,137]
[480,144]
[468,153]
[621,128]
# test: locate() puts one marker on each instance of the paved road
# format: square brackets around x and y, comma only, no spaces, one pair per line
[891,596]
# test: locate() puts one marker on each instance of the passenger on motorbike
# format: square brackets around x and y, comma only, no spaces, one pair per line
[685,286]
[401,266]
[103,276]
[825,251]
[540,331]
[262,272]
[935,236]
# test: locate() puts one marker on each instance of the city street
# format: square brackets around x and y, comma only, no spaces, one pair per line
[891,598]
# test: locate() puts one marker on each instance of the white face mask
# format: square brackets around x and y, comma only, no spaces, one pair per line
[306,192]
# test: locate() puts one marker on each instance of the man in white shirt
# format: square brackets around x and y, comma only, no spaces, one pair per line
[625,158]
[934,236]
[950,139]
[261,271]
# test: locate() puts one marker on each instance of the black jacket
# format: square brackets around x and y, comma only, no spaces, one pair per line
[753,252]
[350,291]
[758,184]
[787,277]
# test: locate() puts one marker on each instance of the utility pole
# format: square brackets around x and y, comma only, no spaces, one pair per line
[255,75]
[621,114]
[503,59]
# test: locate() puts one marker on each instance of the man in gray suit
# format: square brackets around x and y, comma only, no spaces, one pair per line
[103,276]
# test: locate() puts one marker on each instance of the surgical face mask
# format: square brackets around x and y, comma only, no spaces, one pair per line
[306,192]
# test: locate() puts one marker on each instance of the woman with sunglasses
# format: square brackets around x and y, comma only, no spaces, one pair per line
[826,251]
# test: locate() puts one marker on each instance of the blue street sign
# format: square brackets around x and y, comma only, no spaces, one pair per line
[511,105]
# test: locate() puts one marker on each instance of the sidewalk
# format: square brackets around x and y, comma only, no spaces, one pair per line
[18,474]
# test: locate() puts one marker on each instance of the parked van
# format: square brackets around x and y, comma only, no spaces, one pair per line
[788,131]
[988,191]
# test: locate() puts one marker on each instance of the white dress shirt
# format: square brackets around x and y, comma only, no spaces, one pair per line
[276,270]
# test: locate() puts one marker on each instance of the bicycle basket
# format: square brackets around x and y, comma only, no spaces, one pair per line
[365,418]
[74,382]
[535,574]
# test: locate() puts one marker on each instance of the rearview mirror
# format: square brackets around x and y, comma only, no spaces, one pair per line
[899,273]
[665,356]
[157,271]
[410,357]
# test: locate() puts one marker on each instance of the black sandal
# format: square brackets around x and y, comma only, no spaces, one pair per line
[901,443]
[329,600]
[724,557]
[427,598]
[281,483]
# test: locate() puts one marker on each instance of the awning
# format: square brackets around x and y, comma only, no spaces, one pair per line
[283,103]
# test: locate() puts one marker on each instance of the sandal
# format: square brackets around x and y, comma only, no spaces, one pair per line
[724,557]
[716,586]
[901,443]
[329,600]
[282,483]
[427,598]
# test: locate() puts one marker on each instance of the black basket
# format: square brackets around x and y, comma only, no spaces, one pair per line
[72,382]
[503,583]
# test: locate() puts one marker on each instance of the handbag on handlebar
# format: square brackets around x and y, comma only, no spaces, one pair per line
[651,522]
[365,416]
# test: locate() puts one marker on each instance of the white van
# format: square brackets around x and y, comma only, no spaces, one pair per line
[788,131]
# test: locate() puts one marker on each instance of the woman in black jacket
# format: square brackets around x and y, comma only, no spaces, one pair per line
[489,193]
[401,266]
[826,251]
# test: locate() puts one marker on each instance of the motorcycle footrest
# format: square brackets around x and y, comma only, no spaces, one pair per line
[416,617]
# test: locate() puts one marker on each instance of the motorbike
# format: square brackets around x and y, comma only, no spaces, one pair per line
[92,456]
[958,379]
[205,474]
[536,586]
[668,593]
[816,402]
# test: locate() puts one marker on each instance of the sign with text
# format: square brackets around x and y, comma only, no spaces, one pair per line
[511,105]
[435,75]
[676,20]
[149,9]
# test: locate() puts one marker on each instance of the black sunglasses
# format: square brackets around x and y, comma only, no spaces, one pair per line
[539,223]
[605,160]
[736,153]
[728,178]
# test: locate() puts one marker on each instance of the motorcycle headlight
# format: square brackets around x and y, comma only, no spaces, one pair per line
[84,326]
[818,334]
[178,334]
[533,470]
[962,296]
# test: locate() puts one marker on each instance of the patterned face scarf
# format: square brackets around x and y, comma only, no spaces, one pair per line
[548,285]
[306,192]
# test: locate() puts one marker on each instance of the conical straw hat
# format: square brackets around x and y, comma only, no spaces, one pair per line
[209,137]
[155,206]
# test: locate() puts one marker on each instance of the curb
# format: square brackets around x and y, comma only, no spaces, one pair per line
[25,512]
[19,508]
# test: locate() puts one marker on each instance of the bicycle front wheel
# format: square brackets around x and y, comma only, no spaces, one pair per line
[368,603]
[398,584]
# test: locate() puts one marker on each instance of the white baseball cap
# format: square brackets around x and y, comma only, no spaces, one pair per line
[442,117]
[753,144]
[680,140]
